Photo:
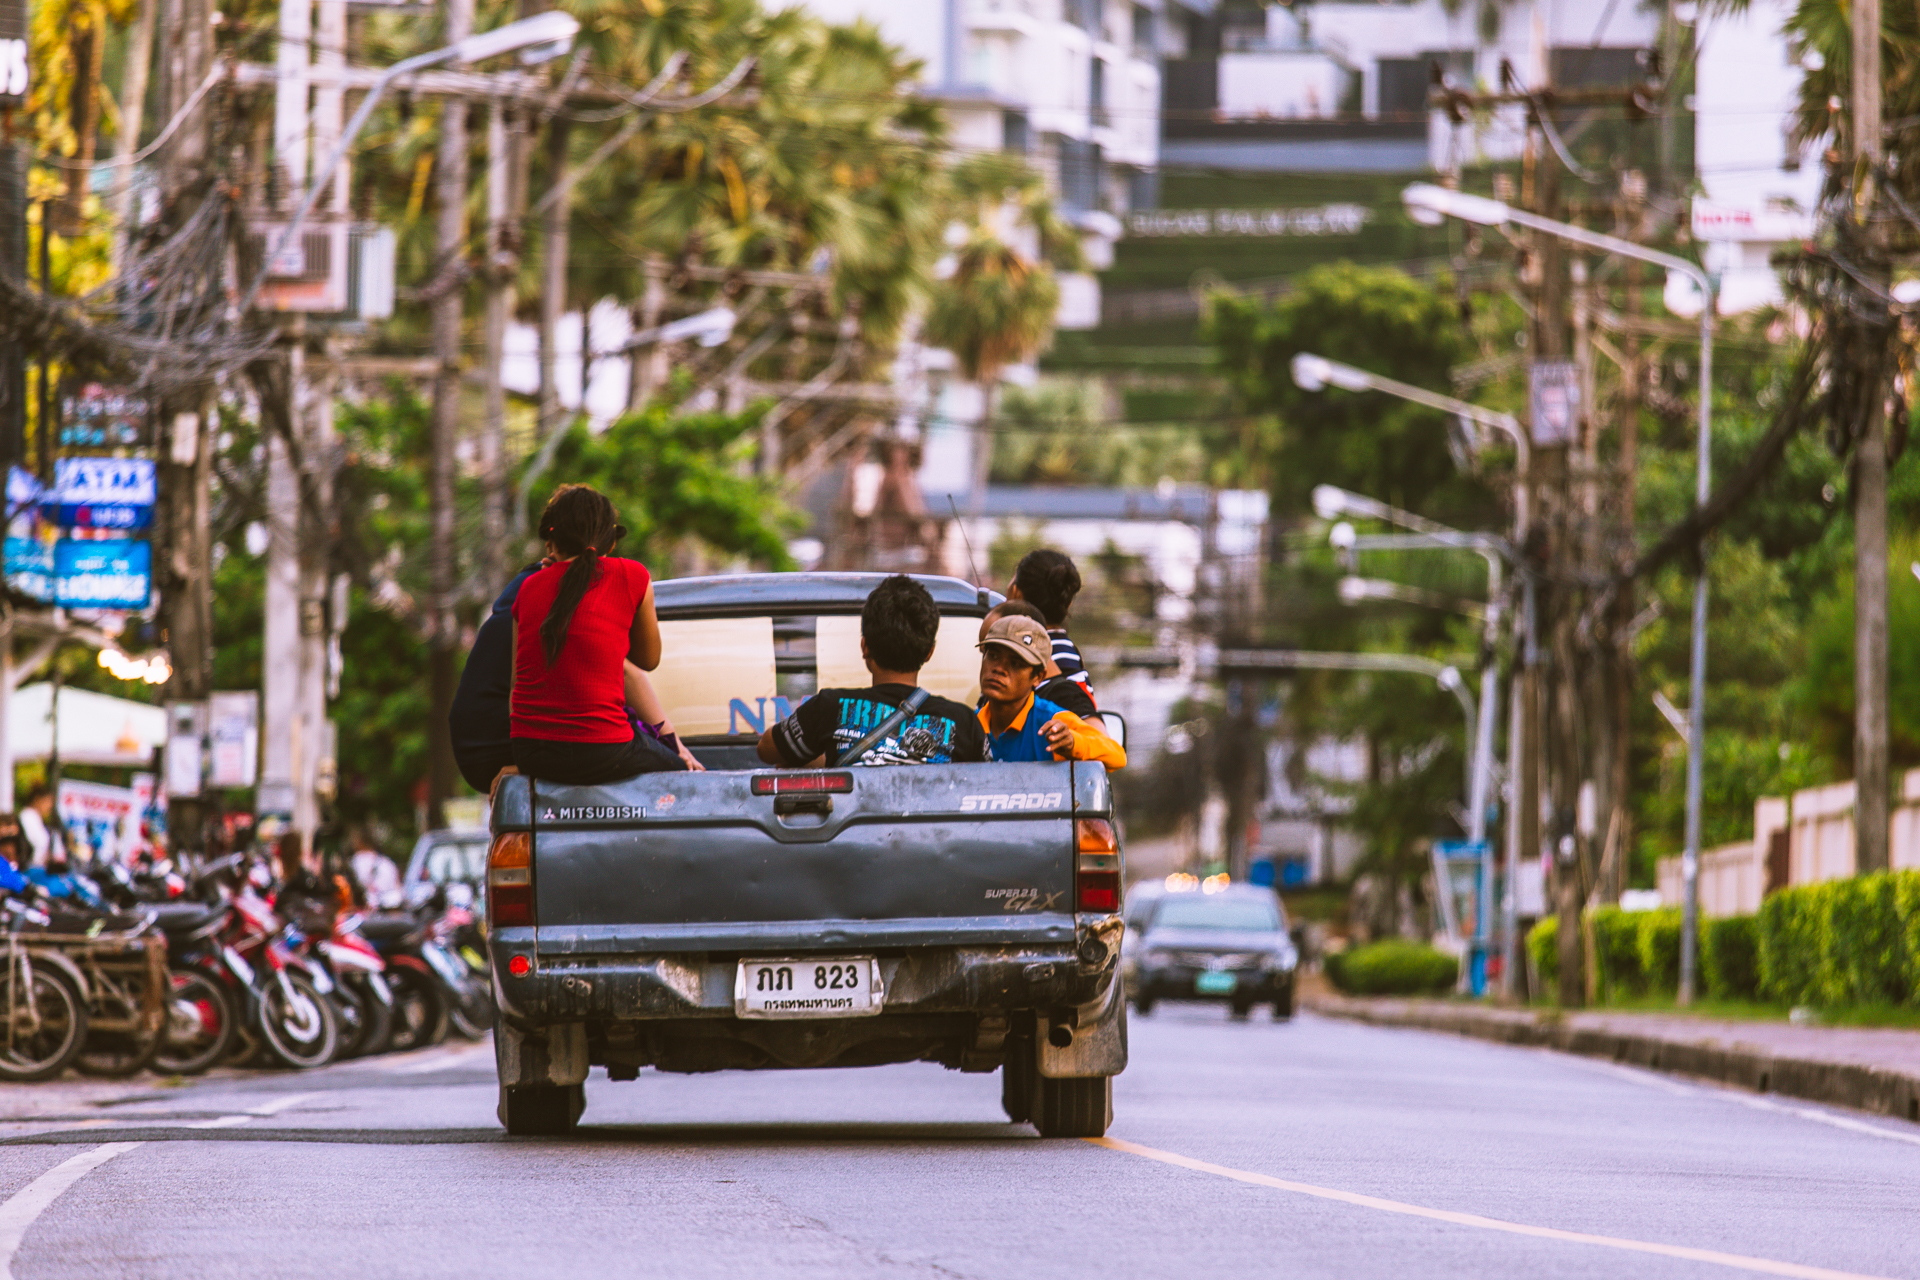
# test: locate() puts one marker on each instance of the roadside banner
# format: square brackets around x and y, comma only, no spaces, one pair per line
[102,818]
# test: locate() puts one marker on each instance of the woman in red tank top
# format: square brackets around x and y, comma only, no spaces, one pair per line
[576,624]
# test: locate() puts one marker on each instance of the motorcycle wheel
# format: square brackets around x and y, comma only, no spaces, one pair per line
[471,1016]
[373,1021]
[40,1035]
[419,1011]
[199,1030]
[300,1026]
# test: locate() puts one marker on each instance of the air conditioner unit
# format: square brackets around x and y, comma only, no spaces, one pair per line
[308,273]
[330,268]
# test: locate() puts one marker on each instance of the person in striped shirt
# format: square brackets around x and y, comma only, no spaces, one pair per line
[1048,581]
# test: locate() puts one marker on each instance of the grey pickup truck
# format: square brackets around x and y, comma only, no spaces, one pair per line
[750,918]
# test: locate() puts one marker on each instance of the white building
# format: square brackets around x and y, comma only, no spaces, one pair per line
[1074,85]
[1759,196]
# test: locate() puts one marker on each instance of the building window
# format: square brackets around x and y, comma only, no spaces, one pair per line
[1097,91]
[1080,167]
[1145,37]
[1014,133]
[1085,14]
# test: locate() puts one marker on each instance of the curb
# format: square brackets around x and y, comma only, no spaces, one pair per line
[1844,1084]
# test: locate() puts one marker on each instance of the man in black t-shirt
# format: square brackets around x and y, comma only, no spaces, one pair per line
[898,627]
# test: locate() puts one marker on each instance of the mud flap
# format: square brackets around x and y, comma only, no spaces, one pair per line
[1099,1045]
[555,1055]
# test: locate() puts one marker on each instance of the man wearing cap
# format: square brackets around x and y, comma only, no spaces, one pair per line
[1016,654]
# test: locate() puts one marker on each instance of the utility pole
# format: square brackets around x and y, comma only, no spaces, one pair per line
[184,580]
[503,152]
[450,194]
[555,232]
[1870,764]
[133,101]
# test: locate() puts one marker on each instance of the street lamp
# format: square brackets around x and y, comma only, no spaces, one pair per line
[1317,373]
[1331,502]
[543,37]
[1431,205]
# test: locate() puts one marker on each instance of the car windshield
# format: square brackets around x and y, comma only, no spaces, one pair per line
[457,862]
[1237,915]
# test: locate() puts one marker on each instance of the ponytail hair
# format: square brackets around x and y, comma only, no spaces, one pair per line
[1049,582]
[582,524]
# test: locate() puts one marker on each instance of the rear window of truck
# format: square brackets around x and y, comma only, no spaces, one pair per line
[728,679]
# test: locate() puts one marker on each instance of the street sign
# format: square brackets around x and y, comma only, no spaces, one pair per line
[99,416]
[113,573]
[1555,403]
[29,567]
[101,493]
[15,65]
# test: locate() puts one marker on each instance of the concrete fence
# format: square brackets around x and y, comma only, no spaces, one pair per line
[1804,840]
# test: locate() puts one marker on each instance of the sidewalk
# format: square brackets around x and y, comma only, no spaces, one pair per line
[1865,1068]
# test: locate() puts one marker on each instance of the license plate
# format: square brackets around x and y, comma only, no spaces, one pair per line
[1215,982]
[817,987]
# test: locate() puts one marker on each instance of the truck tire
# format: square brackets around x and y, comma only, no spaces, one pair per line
[1016,1080]
[541,1111]
[1283,1007]
[1081,1107]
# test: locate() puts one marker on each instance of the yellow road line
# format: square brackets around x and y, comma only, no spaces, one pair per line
[1763,1266]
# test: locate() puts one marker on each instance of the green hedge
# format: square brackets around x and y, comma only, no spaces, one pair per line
[1843,942]
[1637,951]
[1730,957]
[1543,948]
[1394,967]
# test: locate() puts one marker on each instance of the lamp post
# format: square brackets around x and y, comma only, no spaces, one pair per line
[1431,205]
[1317,373]
[537,39]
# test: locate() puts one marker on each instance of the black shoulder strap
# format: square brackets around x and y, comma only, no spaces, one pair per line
[908,705]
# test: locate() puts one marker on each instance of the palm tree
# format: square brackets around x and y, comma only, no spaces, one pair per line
[997,306]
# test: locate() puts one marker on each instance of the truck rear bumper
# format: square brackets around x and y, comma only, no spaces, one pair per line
[976,980]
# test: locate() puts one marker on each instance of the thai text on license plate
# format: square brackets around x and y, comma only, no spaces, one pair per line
[1215,982]
[815,987]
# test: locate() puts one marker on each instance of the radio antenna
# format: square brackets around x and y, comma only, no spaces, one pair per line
[965,541]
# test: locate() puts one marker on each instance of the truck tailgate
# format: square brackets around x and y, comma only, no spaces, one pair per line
[906,856]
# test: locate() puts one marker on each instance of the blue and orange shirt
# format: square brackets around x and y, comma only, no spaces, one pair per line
[1020,742]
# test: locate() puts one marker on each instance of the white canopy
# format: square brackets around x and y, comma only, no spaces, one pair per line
[94,727]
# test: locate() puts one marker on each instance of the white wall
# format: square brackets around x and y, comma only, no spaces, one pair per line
[1283,84]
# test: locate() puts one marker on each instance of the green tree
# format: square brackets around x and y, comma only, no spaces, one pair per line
[1378,319]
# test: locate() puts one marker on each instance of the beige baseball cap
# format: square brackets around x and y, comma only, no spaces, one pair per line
[1025,637]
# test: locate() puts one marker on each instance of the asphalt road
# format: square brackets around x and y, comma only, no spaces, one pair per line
[1308,1149]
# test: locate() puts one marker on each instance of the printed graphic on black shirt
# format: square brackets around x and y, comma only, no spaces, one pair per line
[827,724]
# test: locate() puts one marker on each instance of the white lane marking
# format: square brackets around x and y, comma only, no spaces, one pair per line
[1733,1093]
[220,1122]
[1739,1262]
[441,1060]
[278,1105]
[1821,1117]
[28,1203]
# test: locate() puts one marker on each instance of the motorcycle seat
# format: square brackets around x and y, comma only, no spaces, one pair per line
[187,920]
[387,927]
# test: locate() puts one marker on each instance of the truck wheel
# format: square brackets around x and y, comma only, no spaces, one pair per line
[1143,1005]
[1016,1080]
[543,1110]
[1075,1108]
[1283,1007]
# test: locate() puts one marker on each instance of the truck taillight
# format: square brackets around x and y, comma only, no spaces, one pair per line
[1096,868]
[510,881]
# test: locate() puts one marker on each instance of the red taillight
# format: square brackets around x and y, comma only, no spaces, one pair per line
[519,966]
[1096,869]
[510,881]
[786,784]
